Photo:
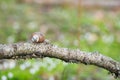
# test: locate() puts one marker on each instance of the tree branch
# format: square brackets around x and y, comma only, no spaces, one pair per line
[26,50]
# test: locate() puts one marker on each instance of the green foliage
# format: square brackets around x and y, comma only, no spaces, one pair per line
[65,28]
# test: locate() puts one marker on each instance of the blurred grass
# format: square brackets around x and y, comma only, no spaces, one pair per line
[65,27]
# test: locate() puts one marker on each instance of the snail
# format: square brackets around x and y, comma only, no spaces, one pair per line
[37,37]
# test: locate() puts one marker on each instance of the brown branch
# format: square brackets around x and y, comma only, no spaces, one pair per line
[38,50]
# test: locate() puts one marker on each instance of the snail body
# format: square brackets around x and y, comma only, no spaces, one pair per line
[37,37]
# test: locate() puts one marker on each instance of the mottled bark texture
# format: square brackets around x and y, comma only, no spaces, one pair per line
[26,50]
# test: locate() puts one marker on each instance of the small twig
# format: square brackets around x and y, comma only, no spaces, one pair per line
[27,50]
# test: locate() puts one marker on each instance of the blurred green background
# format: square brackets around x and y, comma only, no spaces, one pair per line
[66,25]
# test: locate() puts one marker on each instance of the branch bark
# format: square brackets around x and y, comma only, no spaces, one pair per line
[27,50]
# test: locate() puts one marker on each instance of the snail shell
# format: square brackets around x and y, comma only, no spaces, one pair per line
[37,37]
